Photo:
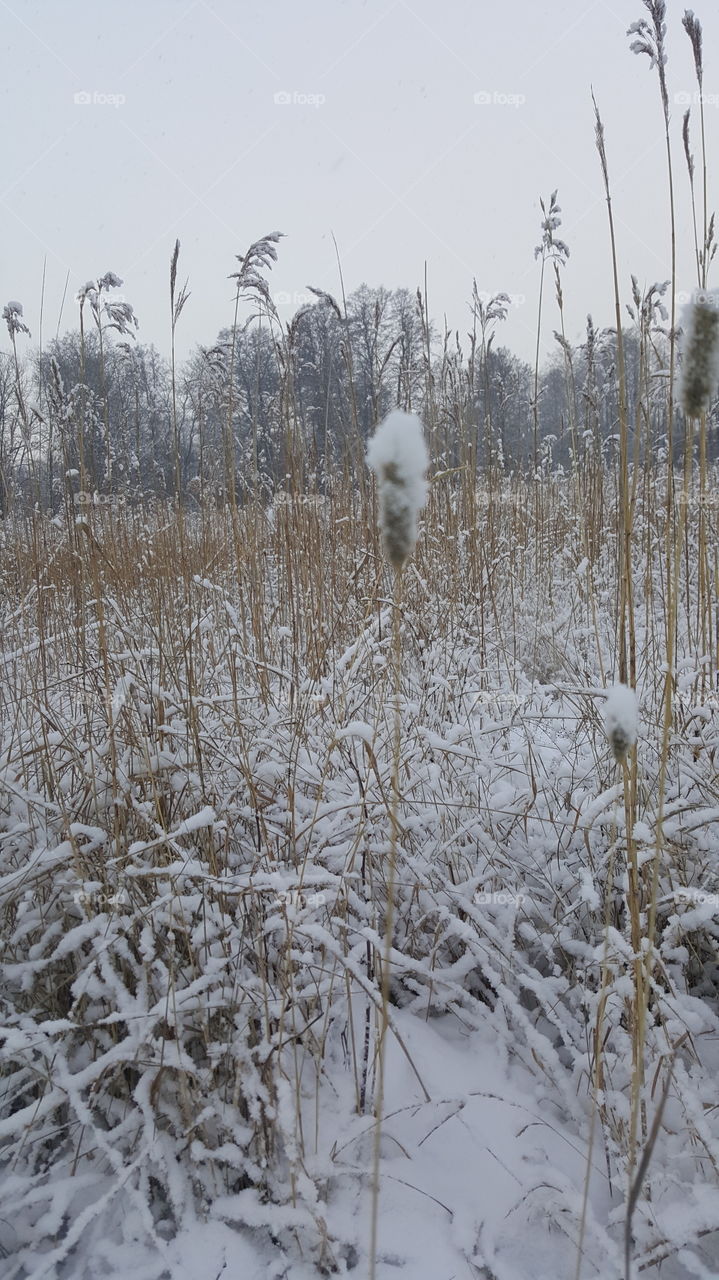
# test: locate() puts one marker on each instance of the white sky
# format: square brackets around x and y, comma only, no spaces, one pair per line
[398,161]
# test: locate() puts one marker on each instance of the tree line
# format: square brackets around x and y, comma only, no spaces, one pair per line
[275,405]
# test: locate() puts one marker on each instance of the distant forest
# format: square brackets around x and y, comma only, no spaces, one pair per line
[275,406]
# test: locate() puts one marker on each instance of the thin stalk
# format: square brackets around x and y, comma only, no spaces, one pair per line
[389,911]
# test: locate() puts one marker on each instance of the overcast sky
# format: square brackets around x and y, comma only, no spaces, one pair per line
[412,131]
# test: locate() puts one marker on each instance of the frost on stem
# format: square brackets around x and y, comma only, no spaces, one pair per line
[700,357]
[620,720]
[398,456]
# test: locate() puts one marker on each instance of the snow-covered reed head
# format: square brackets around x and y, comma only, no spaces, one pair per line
[700,361]
[620,720]
[12,315]
[398,456]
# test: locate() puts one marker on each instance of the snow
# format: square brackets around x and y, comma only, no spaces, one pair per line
[620,718]
[357,729]
[398,456]
[187,963]
[699,369]
[398,442]
[205,818]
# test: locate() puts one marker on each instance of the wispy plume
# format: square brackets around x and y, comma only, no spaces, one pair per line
[693,28]
[650,40]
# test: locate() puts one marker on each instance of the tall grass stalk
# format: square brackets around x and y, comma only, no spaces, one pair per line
[391,875]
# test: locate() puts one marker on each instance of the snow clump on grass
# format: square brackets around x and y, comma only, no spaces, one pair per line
[700,361]
[620,719]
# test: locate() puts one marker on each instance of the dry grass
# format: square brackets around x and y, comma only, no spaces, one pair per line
[175,981]
[254,799]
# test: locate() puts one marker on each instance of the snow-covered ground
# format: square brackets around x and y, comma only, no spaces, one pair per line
[195,809]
